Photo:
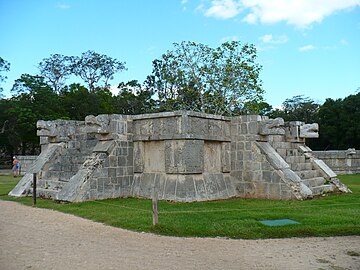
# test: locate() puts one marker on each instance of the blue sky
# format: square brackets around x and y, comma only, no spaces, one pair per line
[308,47]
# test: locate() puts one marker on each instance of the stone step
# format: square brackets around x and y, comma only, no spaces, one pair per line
[293,152]
[313,182]
[57,175]
[282,145]
[46,193]
[51,184]
[318,190]
[295,159]
[308,174]
[301,166]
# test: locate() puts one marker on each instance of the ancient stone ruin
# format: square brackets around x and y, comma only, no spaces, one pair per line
[183,156]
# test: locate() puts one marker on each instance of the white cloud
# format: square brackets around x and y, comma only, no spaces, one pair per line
[63,6]
[307,48]
[223,9]
[344,42]
[183,3]
[268,38]
[301,13]
[229,38]
[114,90]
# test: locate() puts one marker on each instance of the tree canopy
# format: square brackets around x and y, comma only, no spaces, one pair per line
[191,76]
[56,69]
[93,67]
[197,77]
[4,67]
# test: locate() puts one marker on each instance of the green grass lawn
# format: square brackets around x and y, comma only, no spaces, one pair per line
[330,215]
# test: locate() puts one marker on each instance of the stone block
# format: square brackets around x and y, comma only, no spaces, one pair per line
[185,188]
[324,168]
[154,156]
[122,161]
[237,175]
[267,176]
[212,154]
[211,186]
[135,187]
[222,187]
[253,128]
[252,166]
[184,156]
[201,192]
[113,161]
[274,191]
[171,127]
[104,147]
[261,189]
[249,189]
[170,187]
[244,128]
[225,157]
[138,157]
[146,185]
[159,184]
[272,156]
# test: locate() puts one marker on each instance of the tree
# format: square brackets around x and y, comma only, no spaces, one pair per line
[4,66]
[339,123]
[56,69]
[261,108]
[134,98]
[298,108]
[196,77]
[34,100]
[78,101]
[93,67]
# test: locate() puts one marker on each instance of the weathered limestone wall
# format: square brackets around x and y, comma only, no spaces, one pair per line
[341,162]
[182,156]
[26,162]
[253,174]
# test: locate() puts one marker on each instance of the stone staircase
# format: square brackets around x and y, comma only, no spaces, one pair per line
[310,176]
[58,174]
[49,188]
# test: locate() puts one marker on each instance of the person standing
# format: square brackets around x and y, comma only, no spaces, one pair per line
[16,167]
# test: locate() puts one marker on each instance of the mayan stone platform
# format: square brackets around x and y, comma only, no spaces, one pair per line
[183,156]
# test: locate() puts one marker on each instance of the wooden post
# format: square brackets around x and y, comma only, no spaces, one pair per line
[34,189]
[155,208]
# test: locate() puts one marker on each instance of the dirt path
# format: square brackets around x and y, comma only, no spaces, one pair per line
[32,238]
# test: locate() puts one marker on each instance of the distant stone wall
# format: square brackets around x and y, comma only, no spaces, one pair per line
[341,161]
[26,162]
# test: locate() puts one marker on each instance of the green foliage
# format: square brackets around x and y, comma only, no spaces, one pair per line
[298,108]
[134,99]
[339,123]
[93,67]
[34,100]
[4,66]
[235,218]
[196,77]
[56,69]
[261,108]
[79,102]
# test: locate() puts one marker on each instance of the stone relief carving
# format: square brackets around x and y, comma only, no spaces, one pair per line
[97,124]
[57,130]
[309,130]
[272,127]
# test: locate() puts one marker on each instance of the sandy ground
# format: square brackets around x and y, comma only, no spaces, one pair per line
[32,238]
